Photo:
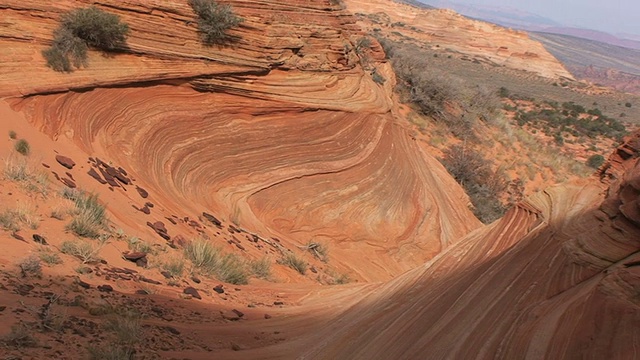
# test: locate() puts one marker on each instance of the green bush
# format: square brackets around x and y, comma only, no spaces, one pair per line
[80,29]
[214,20]
[22,146]
[13,135]
[595,161]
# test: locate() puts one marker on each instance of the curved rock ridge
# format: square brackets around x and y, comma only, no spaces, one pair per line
[448,29]
[164,44]
[557,277]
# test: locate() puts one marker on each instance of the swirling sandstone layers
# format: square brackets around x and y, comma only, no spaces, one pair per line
[557,277]
[282,132]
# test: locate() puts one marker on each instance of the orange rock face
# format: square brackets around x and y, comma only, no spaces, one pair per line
[447,29]
[282,131]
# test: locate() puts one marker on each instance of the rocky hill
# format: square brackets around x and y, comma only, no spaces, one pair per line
[284,149]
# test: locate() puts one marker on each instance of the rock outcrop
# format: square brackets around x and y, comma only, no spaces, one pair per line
[283,130]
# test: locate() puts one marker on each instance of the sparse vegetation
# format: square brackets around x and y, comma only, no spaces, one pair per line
[33,180]
[483,185]
[48,256]
[13,135]
[318,250]
[175,267]
[22,147]
[214,21]
[138,245]
[595,161]
[11,219]
[261,268]
[30,266]
[83,250]
[296,263]
[21,336]
[81,29]
[210,261]
[89,217]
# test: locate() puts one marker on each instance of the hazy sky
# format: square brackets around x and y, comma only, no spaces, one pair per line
[613,16]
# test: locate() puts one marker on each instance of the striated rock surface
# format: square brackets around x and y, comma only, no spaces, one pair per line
[282,131]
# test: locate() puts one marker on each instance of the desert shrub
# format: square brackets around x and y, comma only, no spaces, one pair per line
[90,216]
[483,185]
[175,267]
[214,21]
[318,250]
[595,161]
[13,135]
[210,261]
[23,147]
[82,250]
[627,104]
[377,78]
[48,256]
[81,29]
[261,268]
[21,336]
[30,266]
[11,219]
[125,326]
[202,254]
[138,245]
[294,262]
[111,352]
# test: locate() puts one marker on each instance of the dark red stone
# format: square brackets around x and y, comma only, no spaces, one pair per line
[65,161]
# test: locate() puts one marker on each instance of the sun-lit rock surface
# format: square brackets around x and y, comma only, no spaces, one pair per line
[282,131]
[448,29]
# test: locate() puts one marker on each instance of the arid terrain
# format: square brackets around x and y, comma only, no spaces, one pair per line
[284,194]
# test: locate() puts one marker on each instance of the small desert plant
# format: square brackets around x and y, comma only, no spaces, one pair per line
[261,268]
[202,254]
[209,260]
[126,327]
[20,337]
[13,134]
[90,216]
[294,262]
[23,147]
[214,20]
[48,256]
[9,221]
[319,251]
[61,210]
[82,250]
[137,245]
[80,29]
[175,267]
[595,161]
[71,194]
[30,266]
[231,269]
[16,170]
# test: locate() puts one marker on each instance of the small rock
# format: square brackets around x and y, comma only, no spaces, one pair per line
[65,161]
[3,308]
[195,279]
[69,175]
[105,288]
[83,284]
[143,193]
[313,269]
[68,183]
[149,281]
[267,316]
[219,289]
[134,256]
[18,237]
[94,174]
[149,204]
[278,303]
[143,262]
[146,210]
[193,292]
[46,166]
[84,270]
[39,239]
[238,312]
[142,292]
[166,274]
[172,330]
[212,219]
[235,347]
